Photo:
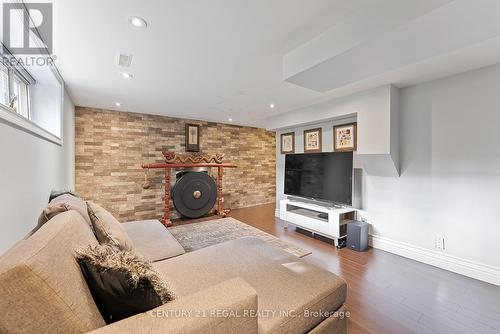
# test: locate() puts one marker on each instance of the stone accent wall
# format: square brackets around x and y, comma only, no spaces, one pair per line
[111,146]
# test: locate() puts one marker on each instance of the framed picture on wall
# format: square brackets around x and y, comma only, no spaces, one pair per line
[312,140]
[344,137]
[288,143]
[192,138]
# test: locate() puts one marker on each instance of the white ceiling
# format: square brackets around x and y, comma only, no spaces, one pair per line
[220,59]
[200,59]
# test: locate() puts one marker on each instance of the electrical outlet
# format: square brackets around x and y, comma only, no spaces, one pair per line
[439,241]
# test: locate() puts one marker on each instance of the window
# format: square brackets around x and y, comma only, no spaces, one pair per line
[4,85]
[14,91]
[19,96]
[31,94]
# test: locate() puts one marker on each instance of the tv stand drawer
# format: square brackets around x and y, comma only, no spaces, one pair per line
[328,221]
[315,225]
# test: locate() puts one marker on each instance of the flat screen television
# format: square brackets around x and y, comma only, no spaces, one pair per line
[320,176]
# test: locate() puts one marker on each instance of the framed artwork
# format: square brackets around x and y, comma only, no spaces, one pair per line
[192,138]
[288,143]
[344,137]
[312,140]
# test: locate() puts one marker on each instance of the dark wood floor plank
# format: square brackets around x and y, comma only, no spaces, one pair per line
[463,321]
[488,319]
[356,328]
[447,326]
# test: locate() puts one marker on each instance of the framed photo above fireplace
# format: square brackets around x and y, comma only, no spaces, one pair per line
[312,140]
[288,143]
[344,137]
[192,138]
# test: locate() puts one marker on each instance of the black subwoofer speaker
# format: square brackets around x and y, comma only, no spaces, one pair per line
[194,194]
[357,235]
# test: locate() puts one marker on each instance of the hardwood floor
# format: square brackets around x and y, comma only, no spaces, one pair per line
[391,294]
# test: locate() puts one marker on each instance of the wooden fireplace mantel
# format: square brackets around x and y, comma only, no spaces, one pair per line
[168,166]
[165,165]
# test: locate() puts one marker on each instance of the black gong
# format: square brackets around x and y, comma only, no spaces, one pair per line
[194,194]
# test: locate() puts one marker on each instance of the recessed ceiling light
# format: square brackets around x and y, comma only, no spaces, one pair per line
[272,106]
[137,22]
[118,104]
[230,119]
[127,75]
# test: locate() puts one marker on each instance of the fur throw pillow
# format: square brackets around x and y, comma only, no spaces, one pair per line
[122,283]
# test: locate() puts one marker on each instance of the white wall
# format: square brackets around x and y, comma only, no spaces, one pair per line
[450,168]
[31,167]
[450,175]
[45,100]
[372,102]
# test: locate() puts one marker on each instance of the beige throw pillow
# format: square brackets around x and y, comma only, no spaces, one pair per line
[108,230]
[52,210]
[73,203]
[47,214]
[61,204]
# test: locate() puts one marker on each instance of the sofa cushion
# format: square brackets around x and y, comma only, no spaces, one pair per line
[50,289]
[286,285]
[122,283]
[107,228]
[153,240]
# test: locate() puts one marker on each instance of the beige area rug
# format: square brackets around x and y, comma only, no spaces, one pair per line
[203,234]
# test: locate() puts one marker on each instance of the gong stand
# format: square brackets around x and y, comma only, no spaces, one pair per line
[169,166]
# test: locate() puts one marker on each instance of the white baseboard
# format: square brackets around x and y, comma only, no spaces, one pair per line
[277,213]
[480,271]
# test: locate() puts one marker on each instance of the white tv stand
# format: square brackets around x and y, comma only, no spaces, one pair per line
[305,214]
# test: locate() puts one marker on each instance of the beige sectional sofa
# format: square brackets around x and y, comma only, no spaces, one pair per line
[241,286]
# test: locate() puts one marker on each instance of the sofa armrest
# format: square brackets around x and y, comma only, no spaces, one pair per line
[228,307]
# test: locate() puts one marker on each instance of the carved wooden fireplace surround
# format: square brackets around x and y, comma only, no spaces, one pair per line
[174,160]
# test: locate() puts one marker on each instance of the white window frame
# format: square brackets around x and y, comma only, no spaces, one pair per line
[13,74]
[5,69]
